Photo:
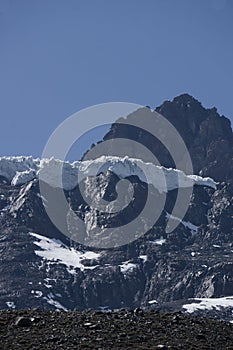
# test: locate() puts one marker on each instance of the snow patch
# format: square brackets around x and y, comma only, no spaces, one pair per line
[104,308]
[47,283]
[127,266]
[160,241]
[209,303]
[37,293]
[50,300]
[54,250]
[193,228]
[143,257]
[10,304]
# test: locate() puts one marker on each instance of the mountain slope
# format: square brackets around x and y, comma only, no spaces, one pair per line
[41,267]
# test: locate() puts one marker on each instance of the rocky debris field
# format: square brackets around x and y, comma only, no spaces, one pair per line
[125,329]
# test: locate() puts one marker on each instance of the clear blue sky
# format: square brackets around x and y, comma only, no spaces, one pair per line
[59,56]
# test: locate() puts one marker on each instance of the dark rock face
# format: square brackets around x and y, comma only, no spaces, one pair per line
[157,270]
[207,135]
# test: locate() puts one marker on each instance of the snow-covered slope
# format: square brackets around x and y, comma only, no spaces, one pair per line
[19,170]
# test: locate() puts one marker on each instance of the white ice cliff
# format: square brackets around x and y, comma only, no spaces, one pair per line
[22,169]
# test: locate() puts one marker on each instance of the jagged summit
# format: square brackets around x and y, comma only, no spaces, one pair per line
[207,135]
[186,100]
[188,106]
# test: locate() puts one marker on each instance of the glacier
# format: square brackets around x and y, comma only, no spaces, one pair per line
[22,169]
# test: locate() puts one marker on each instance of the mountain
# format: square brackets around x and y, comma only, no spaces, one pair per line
[188,269]
[207,135]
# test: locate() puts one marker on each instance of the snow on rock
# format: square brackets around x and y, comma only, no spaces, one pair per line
[23,177]
[143,257]
[20,170]
[160,241]
[104,308]
[37,293]
[54,250]
[193,228]
[10,304]
[208,304]
[21,199]
[127,266]
[50,298]
[10,166]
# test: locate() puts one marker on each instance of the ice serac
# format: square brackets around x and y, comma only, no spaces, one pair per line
[19,170]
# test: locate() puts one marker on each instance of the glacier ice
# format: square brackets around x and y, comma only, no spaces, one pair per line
[22,169]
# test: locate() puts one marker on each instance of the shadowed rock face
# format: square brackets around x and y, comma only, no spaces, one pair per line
[159,269]
[207,135]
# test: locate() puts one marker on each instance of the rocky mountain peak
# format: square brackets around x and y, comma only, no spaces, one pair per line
[207,135]
[184,101]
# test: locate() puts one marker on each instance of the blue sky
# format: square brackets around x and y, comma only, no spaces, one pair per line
[59,56]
